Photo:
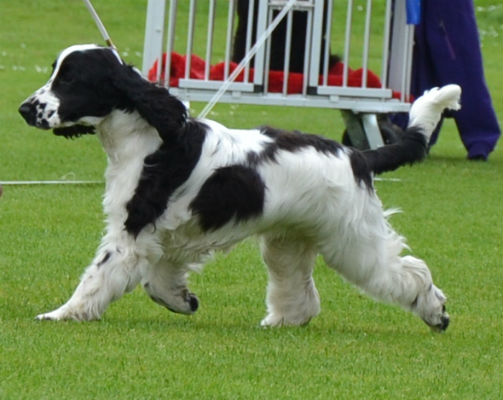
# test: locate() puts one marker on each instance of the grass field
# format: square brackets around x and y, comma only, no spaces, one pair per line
[355,349]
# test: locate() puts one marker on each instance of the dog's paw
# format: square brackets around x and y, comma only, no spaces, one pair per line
[443,324]
[275,320]
[192,301]
[184,303]
[68,313]
[430,306]
[271,321]
[56,315]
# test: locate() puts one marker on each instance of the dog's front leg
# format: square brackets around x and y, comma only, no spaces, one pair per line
[115,270]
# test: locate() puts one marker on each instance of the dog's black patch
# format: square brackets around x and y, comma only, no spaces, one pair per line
[361,171]
[84,85]
[291,141]
[412,147]
[163,172]
[295,140]
[233,192]
[73,131]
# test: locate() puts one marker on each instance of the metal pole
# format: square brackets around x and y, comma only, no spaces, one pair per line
[228,38]
[366,42]
[170,40]
[190,38]
[385,50]
[209,41]
[286,58]
[326,50]
[347,43]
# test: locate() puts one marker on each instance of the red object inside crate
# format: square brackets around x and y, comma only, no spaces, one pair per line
[276,78]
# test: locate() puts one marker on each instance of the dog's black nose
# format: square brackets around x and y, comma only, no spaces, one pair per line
[29,112]
[445,323]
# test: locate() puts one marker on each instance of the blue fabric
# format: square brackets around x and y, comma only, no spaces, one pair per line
[413,12]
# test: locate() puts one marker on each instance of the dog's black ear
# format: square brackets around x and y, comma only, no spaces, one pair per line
[163,111]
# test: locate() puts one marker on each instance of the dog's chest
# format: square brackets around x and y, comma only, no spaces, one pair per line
[188,244]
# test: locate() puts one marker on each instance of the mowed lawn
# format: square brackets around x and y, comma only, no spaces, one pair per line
[355,349]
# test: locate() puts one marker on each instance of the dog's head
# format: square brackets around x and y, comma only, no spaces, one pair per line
[87,83]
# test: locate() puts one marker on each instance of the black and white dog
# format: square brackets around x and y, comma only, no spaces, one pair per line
[178,189]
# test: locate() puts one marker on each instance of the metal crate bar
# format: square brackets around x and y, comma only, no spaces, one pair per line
[154,35]
[385,44]
[317,88]
[314,35]
[169,43]
[327,33]
[209,39]
[366,42]
[347,43]
[288,47]
[228,37]
[307,70]
[249,30]
[190,37]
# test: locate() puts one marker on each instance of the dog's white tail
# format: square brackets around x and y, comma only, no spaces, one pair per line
[426,111]
[424,116]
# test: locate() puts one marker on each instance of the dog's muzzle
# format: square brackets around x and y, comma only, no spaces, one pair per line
[29,113]
[31,110]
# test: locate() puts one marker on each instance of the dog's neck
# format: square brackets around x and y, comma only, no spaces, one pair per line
[126,136]
[127,139]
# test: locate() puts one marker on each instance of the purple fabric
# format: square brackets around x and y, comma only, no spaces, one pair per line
[447,50]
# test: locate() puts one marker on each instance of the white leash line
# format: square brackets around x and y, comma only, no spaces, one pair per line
[99,24]
[28,183]
[21,183]
[387,179]
[216,97]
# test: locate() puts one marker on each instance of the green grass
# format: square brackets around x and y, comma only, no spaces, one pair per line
[355,349]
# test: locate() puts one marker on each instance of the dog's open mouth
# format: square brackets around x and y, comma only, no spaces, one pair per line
[74,131]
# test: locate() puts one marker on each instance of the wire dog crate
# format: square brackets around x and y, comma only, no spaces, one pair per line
[370,36]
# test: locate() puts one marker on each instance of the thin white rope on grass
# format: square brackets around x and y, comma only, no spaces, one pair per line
[21,183]
[260,41]
[387,179]
[59,182]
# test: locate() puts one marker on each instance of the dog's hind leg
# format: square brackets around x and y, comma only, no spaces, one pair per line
[405,281]
[116,269]
[166,284]
[292,298]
